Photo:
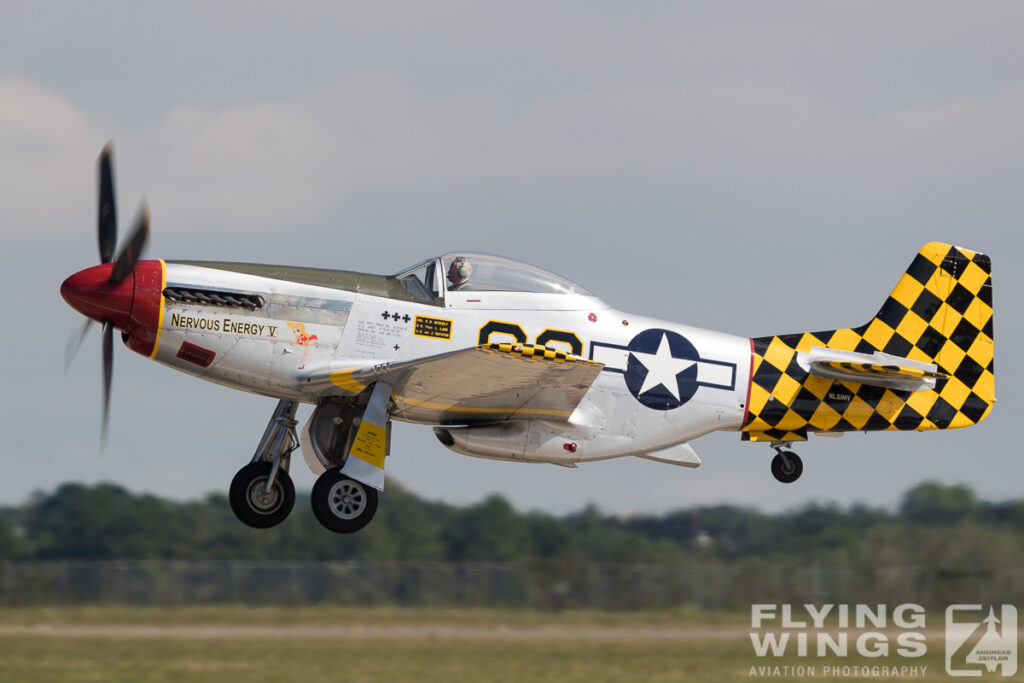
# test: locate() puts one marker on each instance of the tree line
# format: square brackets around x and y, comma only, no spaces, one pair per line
[934,525]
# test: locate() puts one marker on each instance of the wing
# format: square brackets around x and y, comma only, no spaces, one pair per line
[877,369]
[486,383]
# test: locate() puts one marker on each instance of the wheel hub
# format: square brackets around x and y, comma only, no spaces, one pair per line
[347,499]
[262,500]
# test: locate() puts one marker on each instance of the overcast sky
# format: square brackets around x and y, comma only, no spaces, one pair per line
[749,167]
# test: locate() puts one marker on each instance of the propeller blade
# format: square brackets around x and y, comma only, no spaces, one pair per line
[108,371]
[132,250]
[75,343]
[107,216]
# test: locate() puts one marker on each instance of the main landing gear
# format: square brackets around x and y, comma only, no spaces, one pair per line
[786,465]
[262,493]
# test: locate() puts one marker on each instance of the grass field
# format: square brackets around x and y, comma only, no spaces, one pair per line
[390,644]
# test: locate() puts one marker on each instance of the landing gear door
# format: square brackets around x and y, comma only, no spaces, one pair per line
[365,461]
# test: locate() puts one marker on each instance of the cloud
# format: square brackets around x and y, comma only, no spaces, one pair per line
[45,142]
[970,140]
[255,166]
[297,160]
[32,116]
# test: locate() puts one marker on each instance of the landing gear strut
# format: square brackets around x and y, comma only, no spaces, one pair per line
[786,465]
[262,493]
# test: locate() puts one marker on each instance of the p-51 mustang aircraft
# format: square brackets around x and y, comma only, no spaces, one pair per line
[511,362]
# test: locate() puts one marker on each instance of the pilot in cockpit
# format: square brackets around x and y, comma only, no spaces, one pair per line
[459,273]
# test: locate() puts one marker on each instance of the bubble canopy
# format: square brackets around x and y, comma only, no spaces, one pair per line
[490,273]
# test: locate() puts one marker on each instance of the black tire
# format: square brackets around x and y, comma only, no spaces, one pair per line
[787,469]
[249,502]
[341,503]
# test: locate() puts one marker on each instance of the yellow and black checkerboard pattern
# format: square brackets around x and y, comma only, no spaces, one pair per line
[940,312]
[534,351]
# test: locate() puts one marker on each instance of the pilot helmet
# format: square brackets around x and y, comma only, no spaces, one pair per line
[459,270]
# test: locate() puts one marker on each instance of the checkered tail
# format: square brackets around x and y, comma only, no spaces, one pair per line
[939,313]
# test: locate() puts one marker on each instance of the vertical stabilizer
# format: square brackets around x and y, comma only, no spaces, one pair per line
[939,313]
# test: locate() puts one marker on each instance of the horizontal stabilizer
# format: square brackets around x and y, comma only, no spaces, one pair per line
[680,454]
[487,383]
[876,369]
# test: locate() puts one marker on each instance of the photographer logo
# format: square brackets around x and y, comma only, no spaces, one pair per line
[980,641]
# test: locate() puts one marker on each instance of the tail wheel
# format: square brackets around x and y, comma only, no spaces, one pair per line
[253,504]
[341,503]
[787,467]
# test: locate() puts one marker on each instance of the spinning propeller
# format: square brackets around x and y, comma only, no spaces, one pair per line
[103,293]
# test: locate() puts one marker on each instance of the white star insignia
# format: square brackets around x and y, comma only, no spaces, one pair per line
[662,368]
